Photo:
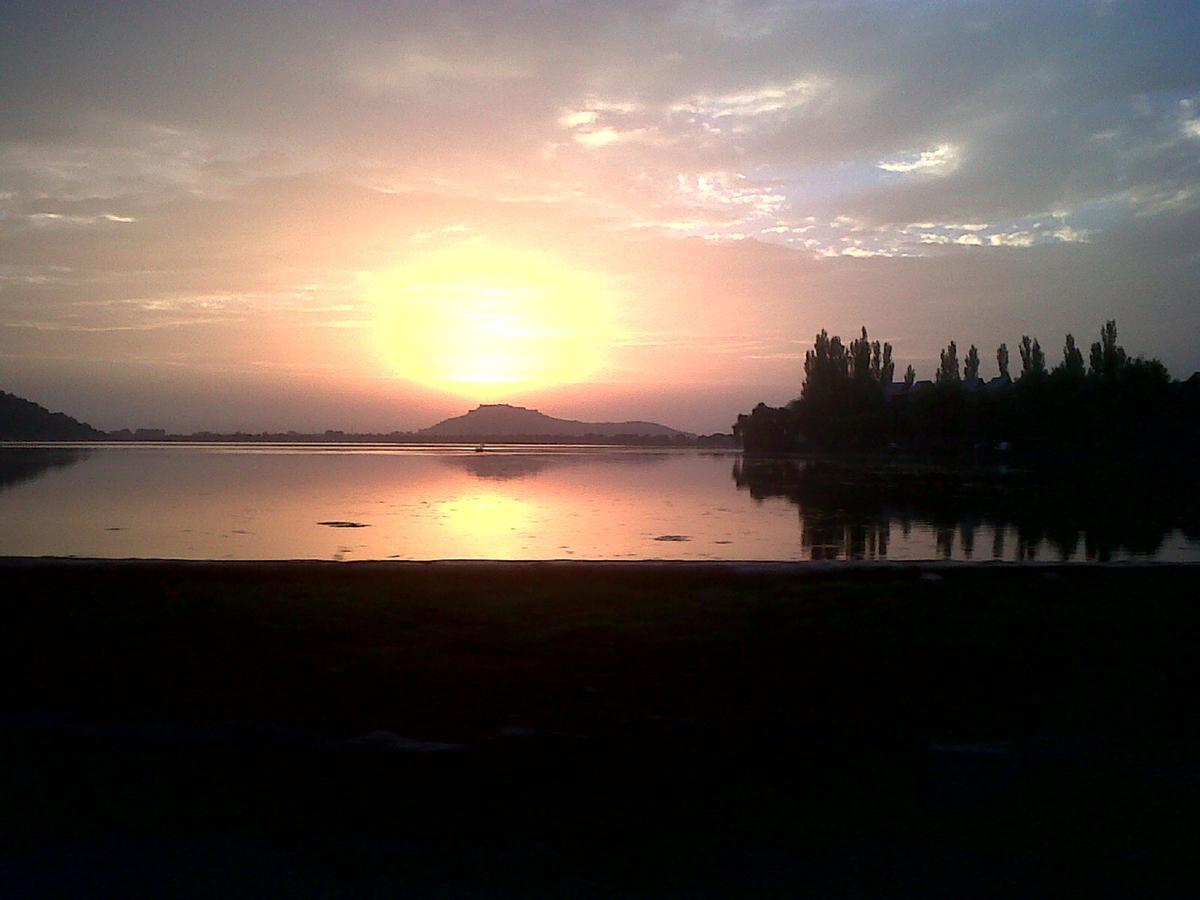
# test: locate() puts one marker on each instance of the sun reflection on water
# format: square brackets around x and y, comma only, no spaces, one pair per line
[488,523]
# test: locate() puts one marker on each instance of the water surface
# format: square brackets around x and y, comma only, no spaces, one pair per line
[259,501]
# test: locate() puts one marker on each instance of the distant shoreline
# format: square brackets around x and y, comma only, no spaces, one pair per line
[648,442]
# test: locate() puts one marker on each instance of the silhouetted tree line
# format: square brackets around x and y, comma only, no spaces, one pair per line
[850,402]
[24,420]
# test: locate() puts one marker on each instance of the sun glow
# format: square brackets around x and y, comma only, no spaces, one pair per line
[485,322]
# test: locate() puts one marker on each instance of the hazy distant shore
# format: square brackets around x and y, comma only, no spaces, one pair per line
[481,729]
[719,441]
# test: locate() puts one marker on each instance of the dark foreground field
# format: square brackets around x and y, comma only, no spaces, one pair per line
[322,730]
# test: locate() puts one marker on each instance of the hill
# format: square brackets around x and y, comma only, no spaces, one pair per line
[500,420]
[24,420]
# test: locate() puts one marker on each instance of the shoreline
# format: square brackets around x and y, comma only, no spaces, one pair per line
[539,628]
[737,566]
[478,728]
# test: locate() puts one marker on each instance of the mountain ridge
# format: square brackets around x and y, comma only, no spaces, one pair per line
[496,420]
[26,420]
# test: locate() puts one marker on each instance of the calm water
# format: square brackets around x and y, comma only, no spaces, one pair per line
[382,502]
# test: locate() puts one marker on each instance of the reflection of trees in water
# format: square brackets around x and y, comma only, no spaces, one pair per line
[829,538]
[502,466]
[847,510]
[19,464]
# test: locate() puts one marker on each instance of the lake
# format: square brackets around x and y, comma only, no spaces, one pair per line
[358,501]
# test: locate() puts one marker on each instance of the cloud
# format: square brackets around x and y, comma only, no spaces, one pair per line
[941,159]
[1070,235]
[1015,239]
[863,252]
[576,118]
[764,100]
[598,138]
[787,163]
[56,219]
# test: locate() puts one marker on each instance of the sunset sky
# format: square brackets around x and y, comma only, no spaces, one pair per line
[373,216]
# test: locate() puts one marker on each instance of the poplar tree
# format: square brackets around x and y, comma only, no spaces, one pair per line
[1033,360]
[1107,357]
[948,371]
[971,364]
[1072,364]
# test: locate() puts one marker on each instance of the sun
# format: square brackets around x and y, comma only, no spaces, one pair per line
[485,322]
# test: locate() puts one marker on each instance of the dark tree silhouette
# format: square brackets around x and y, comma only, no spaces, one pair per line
[1107,357]
[870,361]
[971,364]
[826,367]
[948,371]
[1072,364]
[1033,360]
[882,367]
[1123,410]
[767,428]
[860,357]
[24,420]
[841,402]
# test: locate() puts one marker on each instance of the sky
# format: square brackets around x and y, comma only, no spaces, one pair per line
[372,216]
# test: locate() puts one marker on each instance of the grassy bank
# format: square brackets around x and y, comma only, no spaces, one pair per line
[517,729]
